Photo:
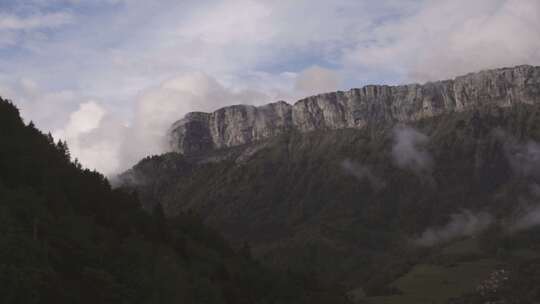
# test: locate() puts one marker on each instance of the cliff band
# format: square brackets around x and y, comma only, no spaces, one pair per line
[236,125]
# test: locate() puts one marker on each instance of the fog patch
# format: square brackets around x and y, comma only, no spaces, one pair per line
[463,224]
[409,151]
[363,173]
[528,216]
[524,158]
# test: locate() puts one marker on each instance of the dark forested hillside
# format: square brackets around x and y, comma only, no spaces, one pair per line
[449,200]
[67,237]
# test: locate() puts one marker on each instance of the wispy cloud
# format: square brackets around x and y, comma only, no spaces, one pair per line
[463,224]
[39,21]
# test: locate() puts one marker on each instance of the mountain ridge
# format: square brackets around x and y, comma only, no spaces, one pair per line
[338,202]
[200,132]
[373,208]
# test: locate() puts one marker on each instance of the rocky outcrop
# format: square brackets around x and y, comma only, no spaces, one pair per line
[230,126]
[240,124]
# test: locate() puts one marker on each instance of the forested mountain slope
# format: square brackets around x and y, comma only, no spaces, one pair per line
[67,237]
[365,207]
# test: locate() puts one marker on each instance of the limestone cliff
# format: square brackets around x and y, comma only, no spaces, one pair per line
[240,124]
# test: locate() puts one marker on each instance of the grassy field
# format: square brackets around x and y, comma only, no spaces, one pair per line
[462,247]
[436,284]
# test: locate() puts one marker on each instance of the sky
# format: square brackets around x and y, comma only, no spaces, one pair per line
[110,76]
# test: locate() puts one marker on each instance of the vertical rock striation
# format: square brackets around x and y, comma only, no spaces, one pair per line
[240,124]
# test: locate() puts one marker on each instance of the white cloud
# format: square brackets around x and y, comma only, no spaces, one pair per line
[84,120]
[93,137]
[159,107]
[447,38]
[102,141]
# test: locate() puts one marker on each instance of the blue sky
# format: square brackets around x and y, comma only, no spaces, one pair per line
[110,76]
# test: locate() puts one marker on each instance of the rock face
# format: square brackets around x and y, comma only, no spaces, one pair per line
[230,126]
[240,124]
